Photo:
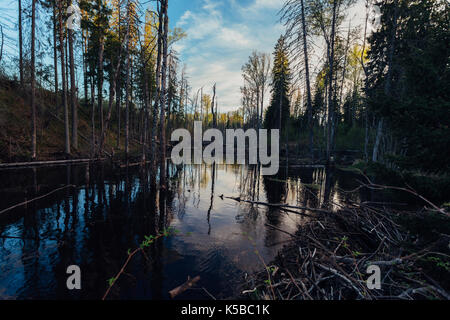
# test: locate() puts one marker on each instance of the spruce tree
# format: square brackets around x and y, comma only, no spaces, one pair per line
[281,77]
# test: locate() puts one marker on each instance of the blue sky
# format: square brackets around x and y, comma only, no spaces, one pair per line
[220,37]
[221,34]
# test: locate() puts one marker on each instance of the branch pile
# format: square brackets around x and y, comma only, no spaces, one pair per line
[329,256]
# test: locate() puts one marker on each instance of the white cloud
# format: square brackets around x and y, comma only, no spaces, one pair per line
[219,42]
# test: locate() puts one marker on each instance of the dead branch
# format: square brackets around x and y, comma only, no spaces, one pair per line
[185,286]
[35,199]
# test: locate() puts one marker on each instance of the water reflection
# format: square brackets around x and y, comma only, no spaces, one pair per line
[111,210]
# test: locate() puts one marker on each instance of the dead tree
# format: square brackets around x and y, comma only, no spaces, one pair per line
[63,78]
[73,89]
[164,6]
[20,45]
[33,80]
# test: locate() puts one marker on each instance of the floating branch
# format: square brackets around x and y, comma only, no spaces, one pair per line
[185,286]
[38,198]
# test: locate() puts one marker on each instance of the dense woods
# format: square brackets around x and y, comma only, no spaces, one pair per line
[378,88]
[102,80]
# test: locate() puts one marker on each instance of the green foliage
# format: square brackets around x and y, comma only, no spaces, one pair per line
[349,138]
[111,281]
[417,108]
[439,263]
[281,77]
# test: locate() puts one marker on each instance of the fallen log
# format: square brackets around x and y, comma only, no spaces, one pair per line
[45,163]
[185,286]
[35,199]
[280,206]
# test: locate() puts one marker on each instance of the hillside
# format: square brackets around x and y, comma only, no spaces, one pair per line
[15,126]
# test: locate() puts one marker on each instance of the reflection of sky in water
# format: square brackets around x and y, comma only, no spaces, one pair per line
[94,225]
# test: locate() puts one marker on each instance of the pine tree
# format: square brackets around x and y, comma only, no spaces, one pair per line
[277,114]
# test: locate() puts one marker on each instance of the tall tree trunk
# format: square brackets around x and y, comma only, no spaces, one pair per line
[127,87]
[146,104]
[157,98]
[330,124]
[118,107]
[33,84]
[63,78]
[73,96]
[92,117]
[55,52]
[20,45]
[344,69]
[100,82]
[214,115]
[85,76]
[366,135]
[308,84]
[163,97]
[119,87]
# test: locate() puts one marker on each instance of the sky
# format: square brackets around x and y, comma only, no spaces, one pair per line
[221,35]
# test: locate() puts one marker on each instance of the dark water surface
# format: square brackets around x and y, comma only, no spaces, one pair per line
[111,210]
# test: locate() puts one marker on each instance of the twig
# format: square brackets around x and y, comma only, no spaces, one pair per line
[185,286]
[35,199]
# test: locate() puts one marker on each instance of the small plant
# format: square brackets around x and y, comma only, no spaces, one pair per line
[439,263]
[148,240]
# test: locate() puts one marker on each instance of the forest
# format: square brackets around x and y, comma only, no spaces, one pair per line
[92,90]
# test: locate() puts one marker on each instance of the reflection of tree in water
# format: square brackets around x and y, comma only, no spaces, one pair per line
[275,187]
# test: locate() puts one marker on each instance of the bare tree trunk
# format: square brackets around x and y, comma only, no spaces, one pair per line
[376,146]
[119,87]
[146,106]
[163,96]
[100,82]
[308,85]
[55,53]
[33,84]
[73,97]
[201,104]
[63,78]
[92,87]
[344,69]
[366,135]
[127,87]
[214,115]
[92,118]
[157,99]
[85,77]
[330,124]
[169,97]
[3,42]
[20,45]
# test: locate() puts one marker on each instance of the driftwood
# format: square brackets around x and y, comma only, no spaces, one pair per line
[45,163]
[135,164]
[185,286]
[327,259]
[281,206]
[35,199]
